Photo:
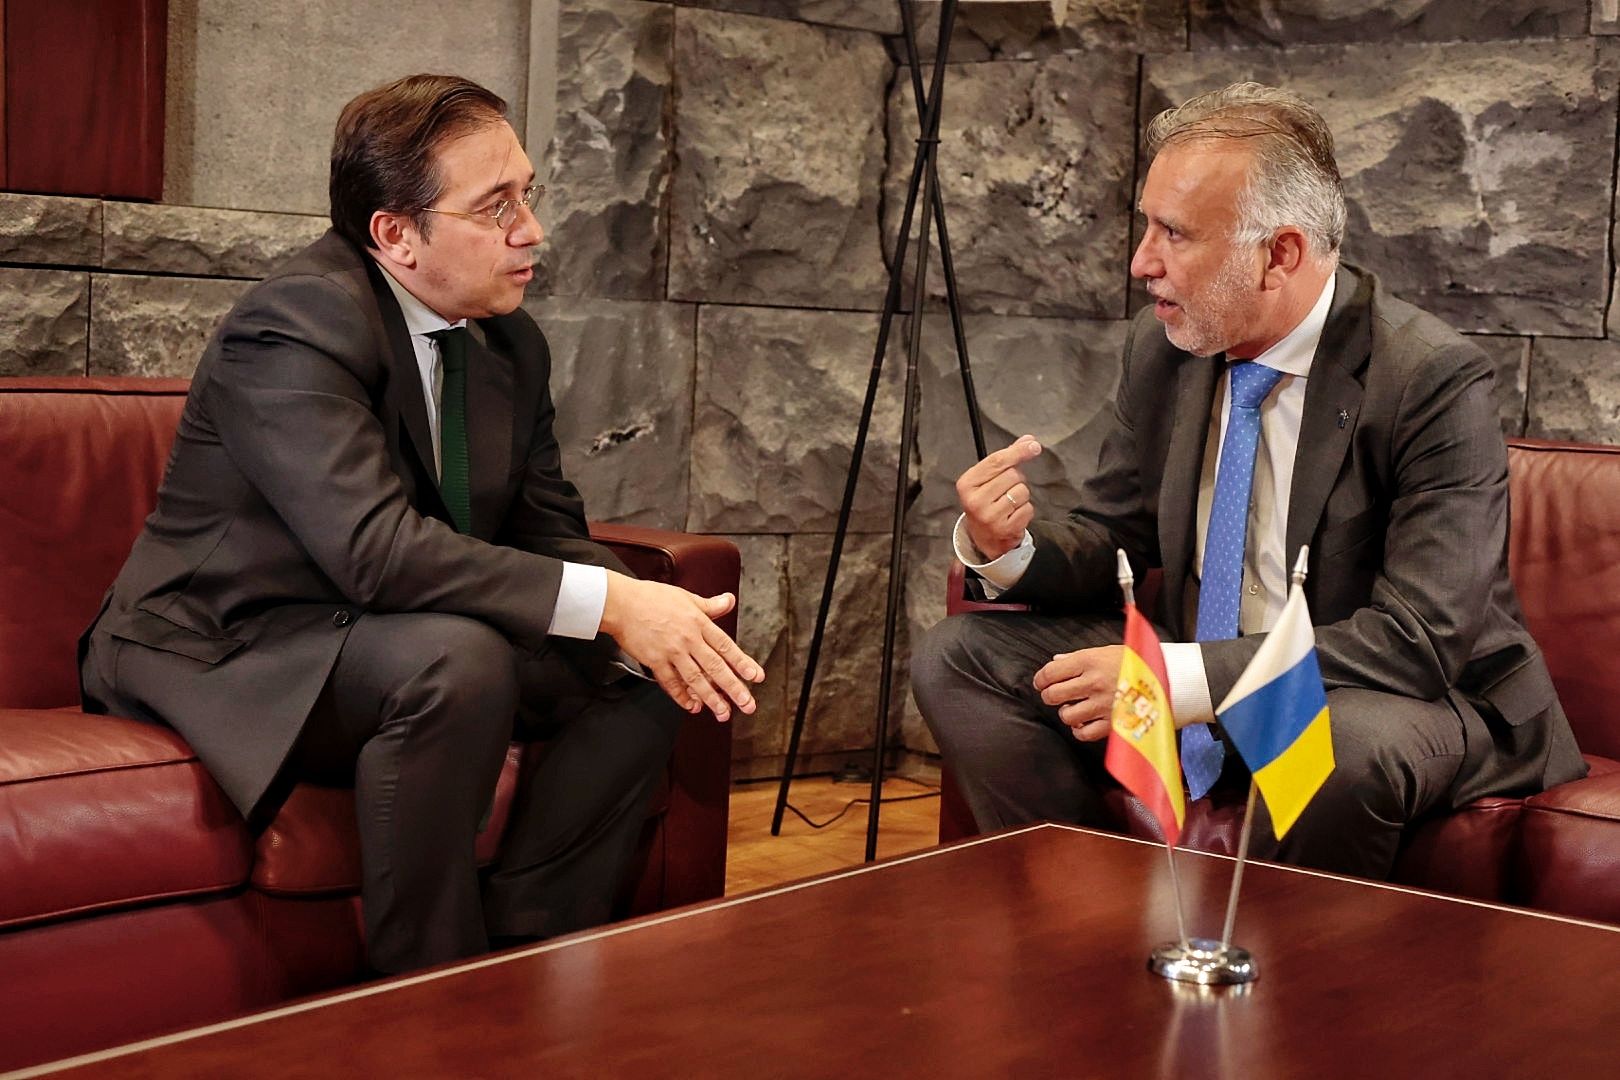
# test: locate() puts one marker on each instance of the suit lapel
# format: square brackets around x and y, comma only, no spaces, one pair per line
[404,393]
[489,431]
[1333,395]
[1184,459]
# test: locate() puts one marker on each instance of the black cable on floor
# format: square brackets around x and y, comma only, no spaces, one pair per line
[931,793]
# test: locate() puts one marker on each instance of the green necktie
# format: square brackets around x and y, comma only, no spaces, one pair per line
[453,426]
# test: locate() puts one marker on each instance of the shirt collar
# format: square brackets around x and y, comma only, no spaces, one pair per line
[1293,354]
[420,319]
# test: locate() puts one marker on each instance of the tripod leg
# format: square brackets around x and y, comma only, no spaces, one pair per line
[927,146]
[953,301]
[908,430]
[955,307]
[890,306]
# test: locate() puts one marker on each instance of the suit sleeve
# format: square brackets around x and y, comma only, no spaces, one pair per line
[1074,565]
[1442,550]
[291,395]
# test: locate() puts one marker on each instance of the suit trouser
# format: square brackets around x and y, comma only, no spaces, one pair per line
[419,710]
[1016,762]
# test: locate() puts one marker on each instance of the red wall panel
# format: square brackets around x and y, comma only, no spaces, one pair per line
[83,96]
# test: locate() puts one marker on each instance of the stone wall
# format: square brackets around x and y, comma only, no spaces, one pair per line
[726,183]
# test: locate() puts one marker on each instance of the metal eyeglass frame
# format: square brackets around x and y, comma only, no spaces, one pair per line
[506,208]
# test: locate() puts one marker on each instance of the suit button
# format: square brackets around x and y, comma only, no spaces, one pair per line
[341,618]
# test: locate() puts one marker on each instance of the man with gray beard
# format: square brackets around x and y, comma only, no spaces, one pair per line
[1284,400]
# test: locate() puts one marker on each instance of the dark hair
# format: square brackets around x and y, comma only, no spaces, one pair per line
[382,151]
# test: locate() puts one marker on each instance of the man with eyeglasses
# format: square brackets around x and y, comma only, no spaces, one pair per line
[365,560]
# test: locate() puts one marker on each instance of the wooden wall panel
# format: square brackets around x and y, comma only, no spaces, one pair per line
[2,94]
[84,96]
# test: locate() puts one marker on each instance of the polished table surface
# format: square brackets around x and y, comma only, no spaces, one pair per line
[1022,953]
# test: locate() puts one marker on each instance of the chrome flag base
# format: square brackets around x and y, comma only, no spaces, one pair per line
[1205,962]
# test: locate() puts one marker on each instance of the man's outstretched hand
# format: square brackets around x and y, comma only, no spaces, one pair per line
[672,634]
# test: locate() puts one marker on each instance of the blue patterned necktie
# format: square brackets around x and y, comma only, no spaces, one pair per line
[1220,591]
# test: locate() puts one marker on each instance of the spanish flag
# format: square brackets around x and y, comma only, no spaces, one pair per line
[1277,716]
[1141,751]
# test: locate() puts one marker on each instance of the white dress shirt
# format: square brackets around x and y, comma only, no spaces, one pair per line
[583,593]
[1266,565]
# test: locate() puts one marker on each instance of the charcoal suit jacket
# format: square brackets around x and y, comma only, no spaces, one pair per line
[301,494]
[1400,489]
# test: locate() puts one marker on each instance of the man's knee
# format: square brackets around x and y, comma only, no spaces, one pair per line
[940,656]
[937,660]
[626,733]
[1393,757]
[464,668]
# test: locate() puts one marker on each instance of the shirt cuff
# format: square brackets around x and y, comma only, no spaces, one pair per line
[999,574]
[1189,683]
[580,599]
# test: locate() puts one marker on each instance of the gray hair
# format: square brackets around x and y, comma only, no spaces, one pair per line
[1293,178]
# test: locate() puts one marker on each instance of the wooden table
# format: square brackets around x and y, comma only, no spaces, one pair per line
[1019,954]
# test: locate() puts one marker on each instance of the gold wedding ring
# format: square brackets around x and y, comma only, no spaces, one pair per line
[1008,495]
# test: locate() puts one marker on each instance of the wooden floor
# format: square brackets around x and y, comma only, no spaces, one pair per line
[756,859]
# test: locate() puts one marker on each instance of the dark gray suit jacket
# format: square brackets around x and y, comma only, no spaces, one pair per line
[1404,506]
[301,493]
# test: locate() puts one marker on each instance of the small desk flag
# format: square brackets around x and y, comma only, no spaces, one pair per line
[1277,716]
[1141,752]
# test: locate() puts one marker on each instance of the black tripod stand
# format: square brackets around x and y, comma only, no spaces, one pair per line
[924,176]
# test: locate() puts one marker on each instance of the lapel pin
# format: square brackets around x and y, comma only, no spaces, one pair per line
[1344,418]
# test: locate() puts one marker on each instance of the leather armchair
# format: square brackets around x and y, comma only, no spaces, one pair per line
[134,898]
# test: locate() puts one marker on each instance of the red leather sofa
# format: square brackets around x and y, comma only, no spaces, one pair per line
[1557,851]
[133,899]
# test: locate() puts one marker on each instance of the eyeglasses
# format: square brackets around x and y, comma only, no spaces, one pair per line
[503,213]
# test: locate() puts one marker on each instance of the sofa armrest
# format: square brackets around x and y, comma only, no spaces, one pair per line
[957,600]
[692,844]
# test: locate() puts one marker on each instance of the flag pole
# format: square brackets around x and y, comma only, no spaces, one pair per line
[1237,872]
[1127,585]
[1296,580]
[1201,960]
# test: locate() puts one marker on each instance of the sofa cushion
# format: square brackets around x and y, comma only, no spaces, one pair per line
[1569,859]
[100,812]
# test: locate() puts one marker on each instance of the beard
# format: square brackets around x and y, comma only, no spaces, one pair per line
[1212,321]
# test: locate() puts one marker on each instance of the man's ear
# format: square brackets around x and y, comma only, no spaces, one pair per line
[395,238]
[1284,256]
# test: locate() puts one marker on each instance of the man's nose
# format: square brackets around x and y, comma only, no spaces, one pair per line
[1146,262]
[526,231]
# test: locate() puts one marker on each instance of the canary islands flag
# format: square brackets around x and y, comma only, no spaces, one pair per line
[1141,751]
[1277,716]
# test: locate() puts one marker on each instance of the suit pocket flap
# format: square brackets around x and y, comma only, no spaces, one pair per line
[1344,535]
[156,632]
[1525,692]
